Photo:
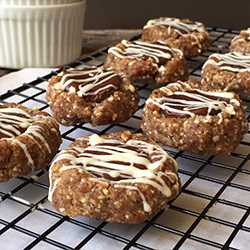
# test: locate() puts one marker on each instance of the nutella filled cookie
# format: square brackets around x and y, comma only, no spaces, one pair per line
[119,177]
[195,119]
[190,37]
[91,95]
[29,139]
[228,72]
[147,62]
[241,42]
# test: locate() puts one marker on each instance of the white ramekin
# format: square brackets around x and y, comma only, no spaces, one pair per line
[36,2]
[41,36]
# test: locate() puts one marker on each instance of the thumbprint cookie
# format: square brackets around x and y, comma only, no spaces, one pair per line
[91,95]
[146,62]
[228,72]
[195,119]
[29,139]
[120,177]
[241,42]
[189,36]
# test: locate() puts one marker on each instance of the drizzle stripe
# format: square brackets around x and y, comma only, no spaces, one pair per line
[181,27]
[13,121]
[91,78]
[138,49]
[232,61]
[194,101]
[116,159]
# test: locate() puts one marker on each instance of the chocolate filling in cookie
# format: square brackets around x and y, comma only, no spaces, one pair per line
[195,119]
[91,95]
[120,177]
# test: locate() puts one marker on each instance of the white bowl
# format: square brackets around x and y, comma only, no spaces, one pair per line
[36,2]
[41,36]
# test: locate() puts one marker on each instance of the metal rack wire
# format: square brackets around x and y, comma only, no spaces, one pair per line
[211,212]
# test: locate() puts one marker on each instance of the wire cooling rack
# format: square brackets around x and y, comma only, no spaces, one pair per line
[211,212]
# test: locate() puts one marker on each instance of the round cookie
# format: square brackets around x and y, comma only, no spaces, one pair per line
[119,177]
[228,72]
[147,62]
[91,95]
[29,139]
[195,119]
[241,42]
[190,37]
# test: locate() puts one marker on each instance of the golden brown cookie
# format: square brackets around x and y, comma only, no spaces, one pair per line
[190,37]
[29,139]
[228,72]
[91,95]
[146,62]
[195,119]
[241,42]
[119,177]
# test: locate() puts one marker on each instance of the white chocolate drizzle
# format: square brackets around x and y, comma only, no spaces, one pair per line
[12,120]
[233,61]
[190,102]
[182,28]
[25,150]
[15,122]
[125,165]
[139,50]
[90,81]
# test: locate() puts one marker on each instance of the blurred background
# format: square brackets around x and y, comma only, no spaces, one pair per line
[133,14]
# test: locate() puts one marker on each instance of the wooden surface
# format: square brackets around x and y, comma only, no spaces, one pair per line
[94,40]
[5,71]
